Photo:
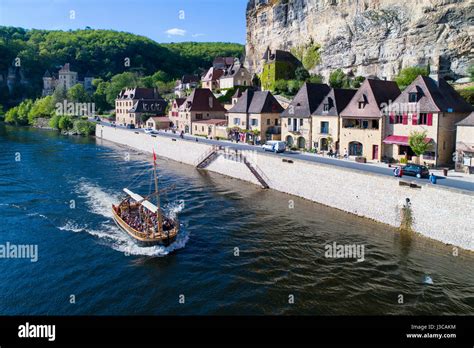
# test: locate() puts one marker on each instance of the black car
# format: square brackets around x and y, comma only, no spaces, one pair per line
[130,126]
[416,170]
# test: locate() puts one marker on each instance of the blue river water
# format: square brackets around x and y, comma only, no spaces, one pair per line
[241,250]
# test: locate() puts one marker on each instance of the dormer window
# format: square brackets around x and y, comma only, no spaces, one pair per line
[361,105]
[363,102]
[326,107]
[412,97]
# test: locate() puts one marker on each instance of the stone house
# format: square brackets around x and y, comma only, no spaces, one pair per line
[429,104]
[173,112]
[235,75]
[133,104]
[200,105]
[326,121]
[465,144]
[185,84]
[211,80]
[259,113]
[362,121]
[66,78]
[159,122]
[212,128]
[296,120]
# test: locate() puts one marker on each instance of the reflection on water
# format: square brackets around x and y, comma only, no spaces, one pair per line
[281,251]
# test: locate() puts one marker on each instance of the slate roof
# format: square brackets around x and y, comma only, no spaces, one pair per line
[256,102]
[468,121]
[223,61]
[213,74]
[373,93]
[149,106]
[190,79]
[202,99]
[140,93]
[337,99]
[307,100]
[434,96]
[180,101]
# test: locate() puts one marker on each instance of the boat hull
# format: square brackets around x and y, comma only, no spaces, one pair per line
[140,239]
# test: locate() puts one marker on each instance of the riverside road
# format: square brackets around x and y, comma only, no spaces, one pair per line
[366,167]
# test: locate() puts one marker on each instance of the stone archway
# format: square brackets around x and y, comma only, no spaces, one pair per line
[289,141]
[301,143]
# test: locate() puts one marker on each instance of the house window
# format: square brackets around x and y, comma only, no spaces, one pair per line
[301,122]
[375,124]
[198,116]
[324,127]
[276,121]
[365,124]
[412,97]
[237,121]
[399,119]
[326,107]
[361,105]
[254,122]
[268,121]
[423,119]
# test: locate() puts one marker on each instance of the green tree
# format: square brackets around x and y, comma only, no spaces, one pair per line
[357,81]
[470,71]
[294,86]
[84,128]
[42,107]
[100,96]
[337,79]
[12,116]
[301,74]
[1,109]
[316,79]
[59,95]
[77,94]
[281,86]
[408,75]
[417,142]
[119,82]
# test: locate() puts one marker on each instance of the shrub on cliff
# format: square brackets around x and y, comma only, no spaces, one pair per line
[408,75]
[65,123]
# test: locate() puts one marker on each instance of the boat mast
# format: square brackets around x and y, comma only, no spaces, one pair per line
[157,192]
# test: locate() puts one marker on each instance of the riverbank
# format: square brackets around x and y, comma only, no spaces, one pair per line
[440,213]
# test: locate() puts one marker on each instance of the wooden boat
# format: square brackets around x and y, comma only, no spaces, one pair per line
[144,221]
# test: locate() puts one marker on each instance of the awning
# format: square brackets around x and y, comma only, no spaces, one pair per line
[400,140]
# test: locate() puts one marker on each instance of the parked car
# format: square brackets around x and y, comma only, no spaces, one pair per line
[150,131]
[414,170]
[275,146]
[130,126]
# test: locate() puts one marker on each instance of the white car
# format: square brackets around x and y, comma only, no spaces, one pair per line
[150,131]
[275,146]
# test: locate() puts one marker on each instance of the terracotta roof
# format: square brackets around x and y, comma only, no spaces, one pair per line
[202,99]
[372,94]
[306,100]
[434,96]
[337,99]
[468,121]
[214,121]
[257,102]
[160,119]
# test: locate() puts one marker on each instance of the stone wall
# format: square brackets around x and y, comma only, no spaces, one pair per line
[439,213]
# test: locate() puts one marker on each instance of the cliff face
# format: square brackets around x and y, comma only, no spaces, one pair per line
[369,37]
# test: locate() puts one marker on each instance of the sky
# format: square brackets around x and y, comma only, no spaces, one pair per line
[160,20]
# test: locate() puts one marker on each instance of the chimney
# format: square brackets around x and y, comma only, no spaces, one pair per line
[434,69]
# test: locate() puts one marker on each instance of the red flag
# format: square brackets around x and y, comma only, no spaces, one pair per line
[154,156]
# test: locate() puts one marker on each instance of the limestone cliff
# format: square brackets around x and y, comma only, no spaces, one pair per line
[367,37]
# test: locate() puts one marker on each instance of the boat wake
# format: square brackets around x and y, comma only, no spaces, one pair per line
[99,202]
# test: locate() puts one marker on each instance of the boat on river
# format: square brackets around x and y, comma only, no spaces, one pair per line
[143,219]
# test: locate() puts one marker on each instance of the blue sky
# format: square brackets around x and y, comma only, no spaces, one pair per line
[160,20]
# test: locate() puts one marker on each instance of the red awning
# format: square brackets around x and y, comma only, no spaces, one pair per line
[400,140]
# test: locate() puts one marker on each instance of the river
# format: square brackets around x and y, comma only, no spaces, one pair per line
[242,250]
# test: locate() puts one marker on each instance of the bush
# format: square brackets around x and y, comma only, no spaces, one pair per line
[281,86]
[468,95]
[408,75]
[84,128]
[337,79]
[65,123]
[403,160]
[54,122]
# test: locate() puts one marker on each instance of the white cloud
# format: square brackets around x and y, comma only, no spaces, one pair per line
[176,32]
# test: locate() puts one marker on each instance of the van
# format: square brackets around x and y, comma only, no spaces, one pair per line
[275,146]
